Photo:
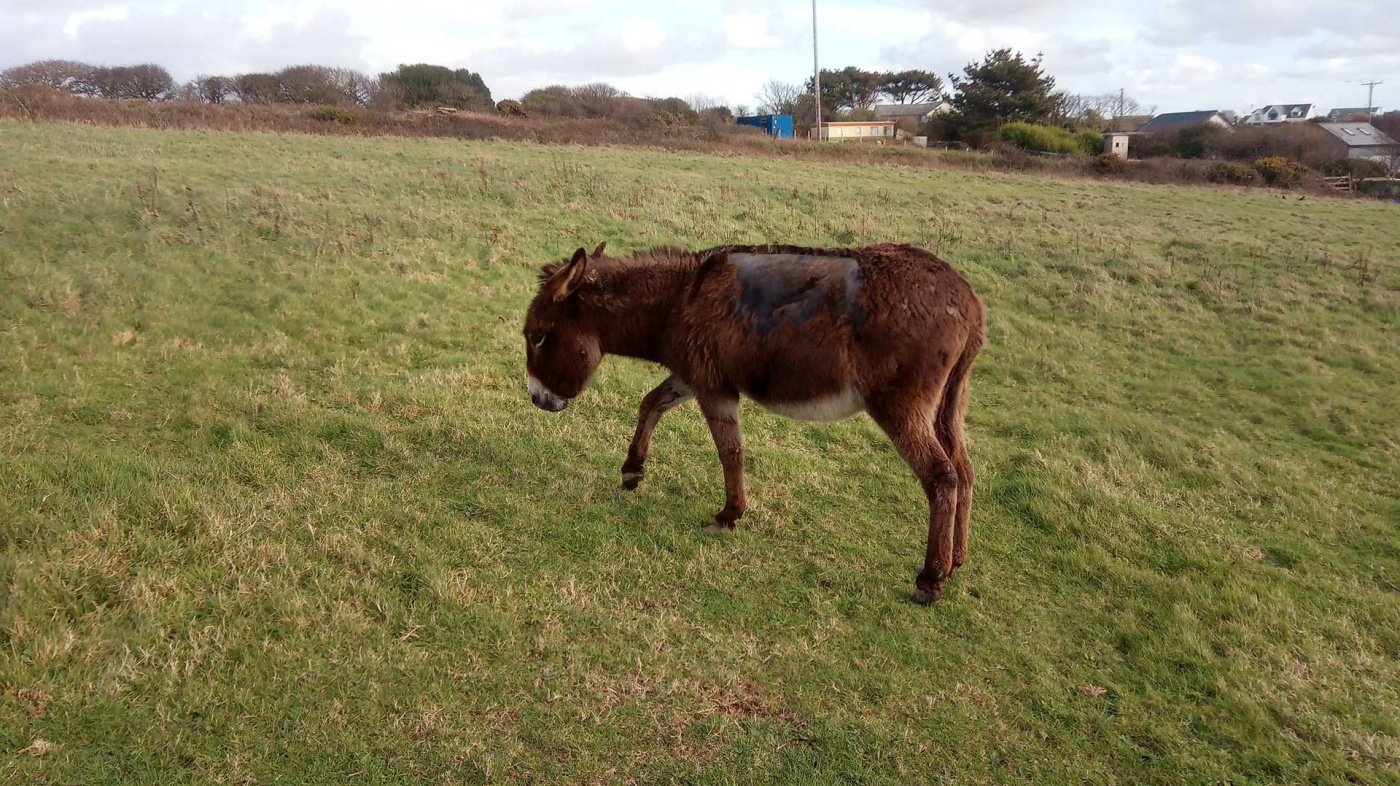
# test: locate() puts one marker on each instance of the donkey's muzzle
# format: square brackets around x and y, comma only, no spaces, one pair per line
[550,403]
[544,398]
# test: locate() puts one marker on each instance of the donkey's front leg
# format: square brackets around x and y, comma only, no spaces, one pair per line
[662,398]
[722,413]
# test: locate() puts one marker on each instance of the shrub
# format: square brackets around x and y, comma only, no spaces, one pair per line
[335,114]
[1359,169]
[1041,139]
[1090,142]
[1231,174]
[1109,164]
[1281,172]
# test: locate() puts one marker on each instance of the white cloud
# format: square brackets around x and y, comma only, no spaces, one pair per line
[749,31]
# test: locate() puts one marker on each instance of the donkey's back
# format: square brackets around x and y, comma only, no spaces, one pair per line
[815,333]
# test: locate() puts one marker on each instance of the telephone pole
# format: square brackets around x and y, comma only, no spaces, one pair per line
[1370,93]
[816,73]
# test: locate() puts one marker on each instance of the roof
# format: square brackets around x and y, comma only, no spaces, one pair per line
[1359,134]
[1286,110]
[1178,121]
[1352,111]
[907,110]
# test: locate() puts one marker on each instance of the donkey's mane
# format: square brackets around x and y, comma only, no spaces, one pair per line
[664,253]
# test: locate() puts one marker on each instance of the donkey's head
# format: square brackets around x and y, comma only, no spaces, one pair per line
[561,346]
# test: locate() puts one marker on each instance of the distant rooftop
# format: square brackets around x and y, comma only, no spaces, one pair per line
[1358,134]
[1178,121]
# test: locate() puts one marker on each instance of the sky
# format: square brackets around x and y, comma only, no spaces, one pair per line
[1174,55]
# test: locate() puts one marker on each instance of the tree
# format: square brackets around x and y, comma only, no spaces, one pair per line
[911,87]
[1003,88]
[1096,111]
[148,81]
[57,74]
[740,110]
[848,89]
[255,88]
[212,89]
[778,97]
[423,84]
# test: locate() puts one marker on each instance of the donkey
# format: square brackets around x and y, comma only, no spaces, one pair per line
[810,333]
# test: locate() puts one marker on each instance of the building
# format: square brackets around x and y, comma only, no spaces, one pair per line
[1181,121]
[1362,141]
[841,131]
[1116,143]
[778,126]
[910,117]
[1276,114]
[1353,114]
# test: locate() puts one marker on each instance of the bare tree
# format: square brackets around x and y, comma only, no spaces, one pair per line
[213,89]
[148,81]
[778,97]
[741,110]
[255,88]
[58,74]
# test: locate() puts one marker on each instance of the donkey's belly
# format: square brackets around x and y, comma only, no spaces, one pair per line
[835,407]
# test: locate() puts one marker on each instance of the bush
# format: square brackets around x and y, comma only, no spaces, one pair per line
[335,114]
[1090,142]
[1281,172]
[1042,139]
[1109,164]
[1359,169]
[1231,174]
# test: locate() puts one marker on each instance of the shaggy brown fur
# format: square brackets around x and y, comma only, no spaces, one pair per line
[814,333]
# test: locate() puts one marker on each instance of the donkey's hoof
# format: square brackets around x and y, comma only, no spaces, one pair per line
[630,480]
[926,596]
[716,527]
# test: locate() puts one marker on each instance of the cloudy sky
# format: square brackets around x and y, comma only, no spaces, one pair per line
[1174,54]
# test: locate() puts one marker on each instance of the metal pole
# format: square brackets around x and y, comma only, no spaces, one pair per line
[816,73]
[1370,96]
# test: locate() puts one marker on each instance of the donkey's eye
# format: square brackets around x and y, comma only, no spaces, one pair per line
[537,339]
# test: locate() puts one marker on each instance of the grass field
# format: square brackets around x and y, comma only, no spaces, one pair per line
[275,507]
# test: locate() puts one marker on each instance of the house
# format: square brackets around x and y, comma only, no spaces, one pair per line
[1362,141]
[920,112]
[779,126]
[1275,114]
[840,131]
[1181,121]
[1352,114]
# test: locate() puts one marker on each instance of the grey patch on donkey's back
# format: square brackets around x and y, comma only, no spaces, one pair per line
[773,287]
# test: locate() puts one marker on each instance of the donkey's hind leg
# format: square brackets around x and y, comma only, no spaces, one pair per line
[952,435]
[909,422]
[662,398]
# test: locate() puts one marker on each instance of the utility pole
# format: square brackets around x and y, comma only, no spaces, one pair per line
[816,73]
[1370,94]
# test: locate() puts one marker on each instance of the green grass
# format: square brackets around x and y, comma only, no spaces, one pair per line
[275,507]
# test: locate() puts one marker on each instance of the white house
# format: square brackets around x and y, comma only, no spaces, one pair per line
[1276,114]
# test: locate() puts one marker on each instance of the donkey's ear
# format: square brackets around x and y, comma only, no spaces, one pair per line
[568,277]
[598,252]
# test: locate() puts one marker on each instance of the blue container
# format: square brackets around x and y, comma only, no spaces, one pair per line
[779,126]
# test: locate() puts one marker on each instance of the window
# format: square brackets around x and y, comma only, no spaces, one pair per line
[875,131]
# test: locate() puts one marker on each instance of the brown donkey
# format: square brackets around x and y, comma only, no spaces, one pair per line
[811,333]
